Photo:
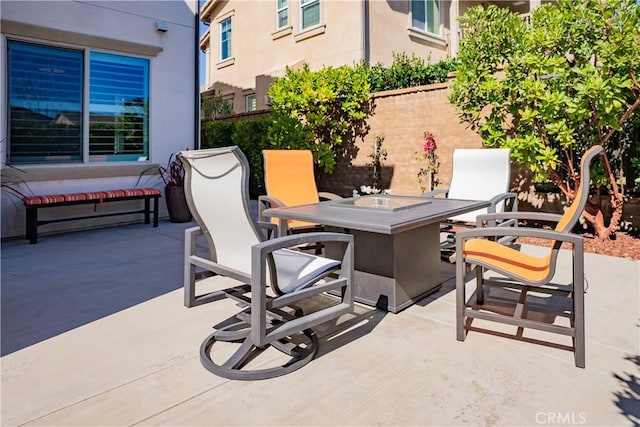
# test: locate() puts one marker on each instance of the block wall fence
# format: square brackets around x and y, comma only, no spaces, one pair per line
[402,117]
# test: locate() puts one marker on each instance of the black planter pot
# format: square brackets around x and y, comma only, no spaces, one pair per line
[177,204]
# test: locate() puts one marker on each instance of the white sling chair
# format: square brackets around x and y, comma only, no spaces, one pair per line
[478,174]
[272,277]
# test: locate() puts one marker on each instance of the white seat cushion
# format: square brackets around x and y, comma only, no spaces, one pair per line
[296,270]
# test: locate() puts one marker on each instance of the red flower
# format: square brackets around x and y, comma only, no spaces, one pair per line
[430,144]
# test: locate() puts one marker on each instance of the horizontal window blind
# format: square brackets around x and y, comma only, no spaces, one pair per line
[45,103]
[118,107]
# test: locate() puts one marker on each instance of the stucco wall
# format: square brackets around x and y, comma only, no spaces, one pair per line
[115,27]
[258,48]
[390,31]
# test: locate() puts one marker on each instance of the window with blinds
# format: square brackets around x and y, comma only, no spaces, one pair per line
[309,13]
[48,100]
[118,107]
[45,103]
[425,15]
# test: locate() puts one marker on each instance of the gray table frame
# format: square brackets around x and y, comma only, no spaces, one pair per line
[397,253]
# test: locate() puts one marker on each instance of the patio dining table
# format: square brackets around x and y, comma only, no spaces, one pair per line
[397,242]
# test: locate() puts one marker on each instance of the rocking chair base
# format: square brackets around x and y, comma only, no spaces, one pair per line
[233,368]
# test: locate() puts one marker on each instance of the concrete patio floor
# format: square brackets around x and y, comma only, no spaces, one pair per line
[94,332]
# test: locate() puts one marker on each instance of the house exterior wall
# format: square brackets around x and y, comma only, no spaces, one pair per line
[119,27]
[390,31]
[349,31]
[258,49]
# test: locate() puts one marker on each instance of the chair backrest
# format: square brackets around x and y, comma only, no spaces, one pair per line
[289,176]
[217,192]
[479,174]
[572,214]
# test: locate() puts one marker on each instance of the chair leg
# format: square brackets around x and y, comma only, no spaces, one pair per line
[189,270]
[460,298]
[578,311]
[479,285]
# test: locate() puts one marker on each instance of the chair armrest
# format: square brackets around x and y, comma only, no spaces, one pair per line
[265,202]
[520,215]
[539,233]
[260,303]
[503,197]
[434,193]
[269,227]
[190,235]
[328,196]
[294,240]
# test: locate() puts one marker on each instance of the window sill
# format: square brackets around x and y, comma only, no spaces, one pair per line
[433,39]
[282,32]
[227,62]
[311,32]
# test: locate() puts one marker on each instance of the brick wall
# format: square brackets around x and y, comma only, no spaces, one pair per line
[402,116]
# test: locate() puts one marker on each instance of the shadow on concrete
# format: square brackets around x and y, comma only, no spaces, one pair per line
[68,280]
[628,397]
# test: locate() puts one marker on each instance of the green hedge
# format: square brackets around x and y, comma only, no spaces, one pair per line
[250,136]
[216,133]
[408,71]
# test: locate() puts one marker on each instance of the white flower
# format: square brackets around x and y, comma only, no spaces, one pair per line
[367,189]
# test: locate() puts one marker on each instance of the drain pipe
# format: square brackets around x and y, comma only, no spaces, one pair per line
[366,44]
[196,132]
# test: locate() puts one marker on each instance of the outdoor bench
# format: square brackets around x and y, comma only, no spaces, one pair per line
[33,203]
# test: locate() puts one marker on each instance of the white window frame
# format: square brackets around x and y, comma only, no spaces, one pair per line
[425,28]
[229,40]
[278,11]
[305,4]
[85,157]
[250,102]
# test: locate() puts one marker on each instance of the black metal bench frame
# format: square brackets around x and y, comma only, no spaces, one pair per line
[33,222]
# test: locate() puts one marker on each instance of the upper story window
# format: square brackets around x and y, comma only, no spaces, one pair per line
[225,39]
[250,102]
[48,96]
[282,13]
[309,13]
[425,15]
